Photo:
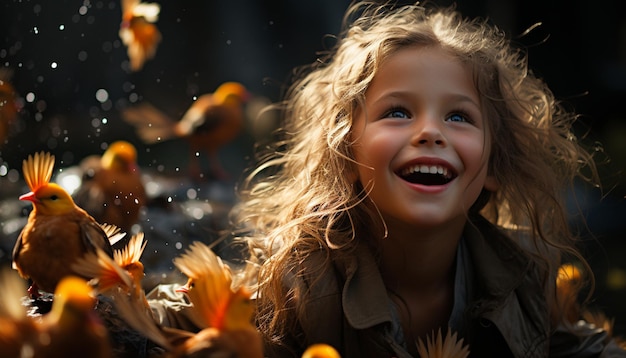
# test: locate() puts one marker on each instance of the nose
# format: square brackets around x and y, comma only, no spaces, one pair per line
[427,132]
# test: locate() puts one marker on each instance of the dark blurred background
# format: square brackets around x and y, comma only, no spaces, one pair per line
[61,53]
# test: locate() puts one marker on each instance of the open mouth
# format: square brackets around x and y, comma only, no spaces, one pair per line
[425,174]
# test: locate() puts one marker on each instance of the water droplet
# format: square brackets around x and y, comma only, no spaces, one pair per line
[102,95]
[61,27]
[53,65]
[30,97]
[35,30]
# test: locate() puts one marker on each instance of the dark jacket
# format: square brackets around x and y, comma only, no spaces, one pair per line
[505,311]
[506,314]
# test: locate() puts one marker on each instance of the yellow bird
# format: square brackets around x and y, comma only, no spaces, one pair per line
[124,272]
[57,231]
[112,190]
[73,328]
[222,310]
[138,32]
[17,329]
[568,284]
[211,122]
[320,350]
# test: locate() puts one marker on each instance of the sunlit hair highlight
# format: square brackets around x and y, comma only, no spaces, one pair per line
[304,196]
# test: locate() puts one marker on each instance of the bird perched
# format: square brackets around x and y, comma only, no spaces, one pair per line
[221,309]
[57,231]
[16,327]
[212,121]
[71,329]
[112,190]
[123,272]
[138,32]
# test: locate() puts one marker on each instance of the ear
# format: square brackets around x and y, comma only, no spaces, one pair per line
[491,183]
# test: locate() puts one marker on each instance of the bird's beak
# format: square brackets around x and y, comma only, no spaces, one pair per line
[183,289]
[30,196]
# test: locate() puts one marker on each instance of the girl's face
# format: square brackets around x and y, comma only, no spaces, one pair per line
[421,141]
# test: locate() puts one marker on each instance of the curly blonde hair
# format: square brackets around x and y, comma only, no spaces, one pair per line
[302,196]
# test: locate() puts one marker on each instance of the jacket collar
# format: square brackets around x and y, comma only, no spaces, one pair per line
[499,263]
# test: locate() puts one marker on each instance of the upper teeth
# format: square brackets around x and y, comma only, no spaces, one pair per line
[426,169]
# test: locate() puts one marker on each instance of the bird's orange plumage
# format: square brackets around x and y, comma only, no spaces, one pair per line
[138,32]
[57,231]
[112,190]
[320,350]
[124,271]
[211,122]
[223,311]
[73,327]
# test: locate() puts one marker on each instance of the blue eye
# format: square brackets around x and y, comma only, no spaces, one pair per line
[458,117]
[396,113]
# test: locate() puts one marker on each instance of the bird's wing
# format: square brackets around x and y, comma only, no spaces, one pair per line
[17,248]
[93,237]
[133,313]
[152,125]
[90,197]
[202,115]
[113,232]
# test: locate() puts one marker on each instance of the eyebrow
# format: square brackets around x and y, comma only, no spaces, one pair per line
[458,97]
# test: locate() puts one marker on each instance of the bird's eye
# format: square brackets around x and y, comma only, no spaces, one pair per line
[54,197]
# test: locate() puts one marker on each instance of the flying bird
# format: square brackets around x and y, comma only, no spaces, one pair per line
[57,231]
[112,190]
[222,309]
[212,121]
[122,273]
[138,31]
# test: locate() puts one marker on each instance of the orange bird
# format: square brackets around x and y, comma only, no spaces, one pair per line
[8,107]
[320,350]
[57,231]
[212,121]
[16,327]
[72,328]
[138,32]
[112,190]
[223,311]
[124,272]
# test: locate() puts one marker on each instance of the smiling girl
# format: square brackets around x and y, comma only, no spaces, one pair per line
[417,186]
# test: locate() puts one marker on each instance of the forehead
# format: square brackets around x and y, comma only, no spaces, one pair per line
[425,71]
